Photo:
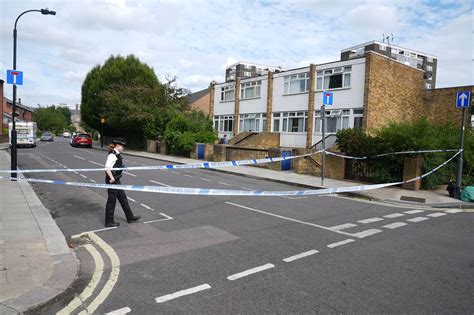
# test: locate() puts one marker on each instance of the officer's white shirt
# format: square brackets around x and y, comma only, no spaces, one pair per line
[111,159]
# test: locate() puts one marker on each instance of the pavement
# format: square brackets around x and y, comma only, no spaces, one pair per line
[36,264]
[431,198]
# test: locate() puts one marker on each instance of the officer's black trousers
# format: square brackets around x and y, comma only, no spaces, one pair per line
[113,195]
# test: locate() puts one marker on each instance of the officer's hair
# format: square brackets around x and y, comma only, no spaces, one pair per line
[111,147]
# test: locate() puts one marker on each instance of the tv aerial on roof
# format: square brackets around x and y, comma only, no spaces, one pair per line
[387,39]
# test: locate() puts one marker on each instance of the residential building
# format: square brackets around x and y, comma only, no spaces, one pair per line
[409,57]
[370,90]
[76,118]
[244,70]
[199,100]
[2,82]
[23,112]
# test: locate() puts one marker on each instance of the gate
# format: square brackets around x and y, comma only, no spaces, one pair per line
[286,164]
[200,149]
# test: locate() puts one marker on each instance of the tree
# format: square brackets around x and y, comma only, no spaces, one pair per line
[51,119]
[129,95]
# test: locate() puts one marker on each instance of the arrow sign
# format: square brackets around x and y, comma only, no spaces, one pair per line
[463,99]
[328,98]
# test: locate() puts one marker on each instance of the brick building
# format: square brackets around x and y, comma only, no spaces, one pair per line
[199,100]
[1,107]
[370,90]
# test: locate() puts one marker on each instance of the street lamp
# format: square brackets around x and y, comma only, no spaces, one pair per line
[13,132]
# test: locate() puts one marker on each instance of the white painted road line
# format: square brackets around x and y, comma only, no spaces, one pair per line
[417,219]
[293,198]
[349,240]
[174,172]
[92,180]
[370,220]
[181,293]
[394,225]
[162,184]
[130,174]
[131,199]
[250,272]
[225,184]
[167,217]
[187,175]
[393,215]
[83,176]
[205,179]
[123,310]
[367,233]
[146,207]
[78,157]
[288,219]
[96,163]
[454,210]
[436,214]
[413,211]
[343,226]
[245,188]
[302,255]
[76,172]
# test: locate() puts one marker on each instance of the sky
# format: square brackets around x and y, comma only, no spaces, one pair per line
[195,40]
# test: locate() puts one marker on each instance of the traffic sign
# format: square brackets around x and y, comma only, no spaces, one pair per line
[463,99]
[328,98]
[15,77]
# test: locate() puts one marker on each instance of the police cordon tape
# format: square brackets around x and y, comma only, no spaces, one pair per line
[216,164]
[225,192]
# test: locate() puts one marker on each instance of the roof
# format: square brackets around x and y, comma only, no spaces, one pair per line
[391,45]
[19,105]
[193,97]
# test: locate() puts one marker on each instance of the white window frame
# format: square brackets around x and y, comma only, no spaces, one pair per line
[321,76]
[226,91]
[429,68]
[427,86]
[344,114]
[225,123]
[429,59]
[290,81]
[247,87]
[258,122]
[247,74]
[284,119]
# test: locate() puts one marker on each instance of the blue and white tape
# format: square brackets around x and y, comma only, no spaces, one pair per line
[224,192]
[387,154]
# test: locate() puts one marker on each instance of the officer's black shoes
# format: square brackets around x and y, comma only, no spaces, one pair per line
[112,224]
[134,218]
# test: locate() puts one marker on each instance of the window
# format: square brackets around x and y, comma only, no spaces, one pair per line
[338,119]
[429,59]
[247,74]
[334,78]
[251,122]
[290,122]
[250,89]
[428,85]
[383,47]
[297,83]
[358,117]
[247,67]
[227,93]
[224,123]
[429,68]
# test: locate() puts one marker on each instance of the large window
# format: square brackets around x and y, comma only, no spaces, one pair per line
[224,123]
[252,122]
[290,122]
[297,83]
[227,93]
[250,89]
[338,119]
[333,78]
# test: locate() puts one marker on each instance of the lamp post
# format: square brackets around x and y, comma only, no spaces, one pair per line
[13,132]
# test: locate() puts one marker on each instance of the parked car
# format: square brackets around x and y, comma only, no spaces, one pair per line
[82,140]
[47,136]
[66,134]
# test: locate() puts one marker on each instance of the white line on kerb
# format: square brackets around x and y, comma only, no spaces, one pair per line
[436,214]
[250,271]
[146,207]
[302,255]
[78,157]
[131,199]
[181,293]
[349,240]
[289,219]
[343,226]
[393,215]
[95,163]
[413,211]
[162,184]
[394,225]
[123,310]
[370,220]
[417,219]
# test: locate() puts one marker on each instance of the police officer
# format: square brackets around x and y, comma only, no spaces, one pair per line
[114,160]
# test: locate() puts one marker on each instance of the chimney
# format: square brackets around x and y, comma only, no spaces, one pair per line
[77,107]
[19,101]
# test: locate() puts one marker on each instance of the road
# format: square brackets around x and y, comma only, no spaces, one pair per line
[219,255]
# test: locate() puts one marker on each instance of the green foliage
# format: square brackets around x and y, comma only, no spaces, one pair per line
[186,129]
[419,135]
[52,118]
[128,94]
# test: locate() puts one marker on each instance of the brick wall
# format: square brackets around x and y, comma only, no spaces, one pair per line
[312,84]
[393,91]
[202,104]
[439,104]
[212,88]
[411,169]
[261,140]
[236,107]
[333,168]
[269,101]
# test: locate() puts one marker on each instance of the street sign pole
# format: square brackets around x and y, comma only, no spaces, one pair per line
[460,158]
[13,132]
[102,135]
[323,156]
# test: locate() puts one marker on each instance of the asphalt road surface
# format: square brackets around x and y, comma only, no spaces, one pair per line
[253,255]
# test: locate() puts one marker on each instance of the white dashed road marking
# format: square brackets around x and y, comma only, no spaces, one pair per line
[436,214]
[394,225]
[130,174]
[123,310]
[92,180]
[131,199]
[95,163]
[302,255]
[417,219]
[187,175]
[250,272]
[367,233]
[225,184]
[83,176]
[343,226]
[155,182]
[370,220]
[414,211]
[146,207]
[181,293]
[393,215]
[454,211]
[167,217]
[205,179]
[78,157]
[349,240]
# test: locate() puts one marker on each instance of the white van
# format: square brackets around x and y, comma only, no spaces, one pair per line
[26,134]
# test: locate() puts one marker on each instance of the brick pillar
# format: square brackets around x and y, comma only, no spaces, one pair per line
[412,169]
[367,90]
[236,107]
[269,102]
[212,88]
[309,128]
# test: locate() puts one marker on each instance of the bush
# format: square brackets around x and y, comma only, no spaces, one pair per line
[419,135]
